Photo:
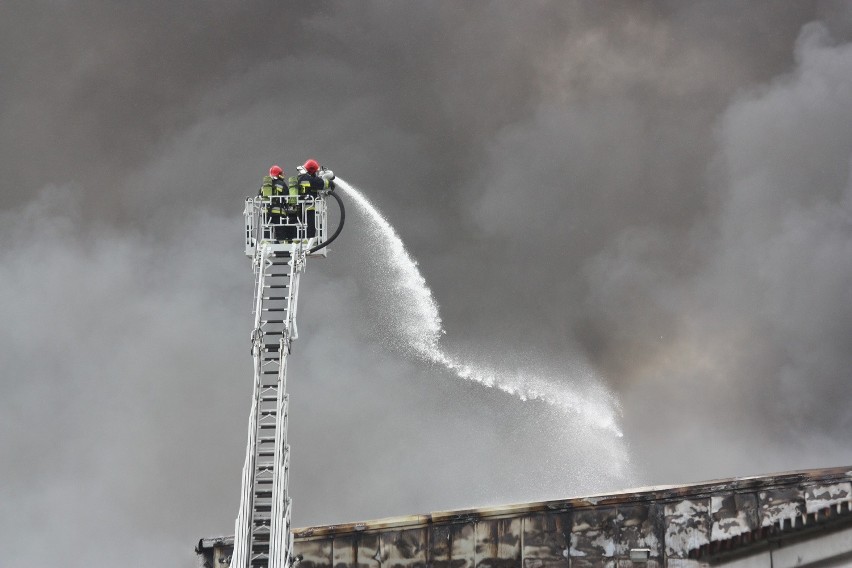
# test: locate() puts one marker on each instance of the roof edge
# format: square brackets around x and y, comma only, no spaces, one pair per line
[652,493]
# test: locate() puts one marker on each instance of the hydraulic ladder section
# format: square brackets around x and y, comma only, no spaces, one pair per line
[262,529]
[278,246]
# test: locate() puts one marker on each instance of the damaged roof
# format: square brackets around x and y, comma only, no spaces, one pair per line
[693,521]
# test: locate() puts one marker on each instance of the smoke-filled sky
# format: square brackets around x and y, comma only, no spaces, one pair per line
[646,199]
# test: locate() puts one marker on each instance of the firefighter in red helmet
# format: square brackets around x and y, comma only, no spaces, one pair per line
[274,189]
[309,182]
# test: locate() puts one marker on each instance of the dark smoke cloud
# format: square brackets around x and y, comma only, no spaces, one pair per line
[660,191]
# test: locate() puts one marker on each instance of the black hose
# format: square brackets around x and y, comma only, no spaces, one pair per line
[339,225]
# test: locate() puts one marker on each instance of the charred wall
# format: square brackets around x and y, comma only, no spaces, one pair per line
[694,525]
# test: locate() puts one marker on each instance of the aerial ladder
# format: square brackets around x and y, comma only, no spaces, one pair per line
[262,537]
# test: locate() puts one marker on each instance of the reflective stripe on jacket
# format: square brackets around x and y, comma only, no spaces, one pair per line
[309,185]
[274,187]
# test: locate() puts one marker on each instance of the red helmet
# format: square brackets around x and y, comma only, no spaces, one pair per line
[275,171]
[311,166]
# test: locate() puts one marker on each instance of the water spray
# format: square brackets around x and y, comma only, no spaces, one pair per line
[422,329]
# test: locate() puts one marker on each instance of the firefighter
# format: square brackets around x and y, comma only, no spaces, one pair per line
[310,181]
[274,188]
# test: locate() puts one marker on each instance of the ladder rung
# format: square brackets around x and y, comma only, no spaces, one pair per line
[273,309]
[272,321]
[276,286]
[260,545]
[275,297]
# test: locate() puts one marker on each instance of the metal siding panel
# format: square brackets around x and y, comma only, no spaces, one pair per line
[451,546]
[315,553]
[687,526]
[369,550]
[594,534]
[819,497]
[747,505]
[498,543]
[546,562]
[593,562]
[779,504]
[547,538]
[732,515]
[462,546]
[438,546]
[344,551]
[640,526]
[405,549]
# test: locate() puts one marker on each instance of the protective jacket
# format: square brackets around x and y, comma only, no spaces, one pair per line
[305,184]
[274,187]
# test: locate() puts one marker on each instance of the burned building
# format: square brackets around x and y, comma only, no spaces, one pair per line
[793,519]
